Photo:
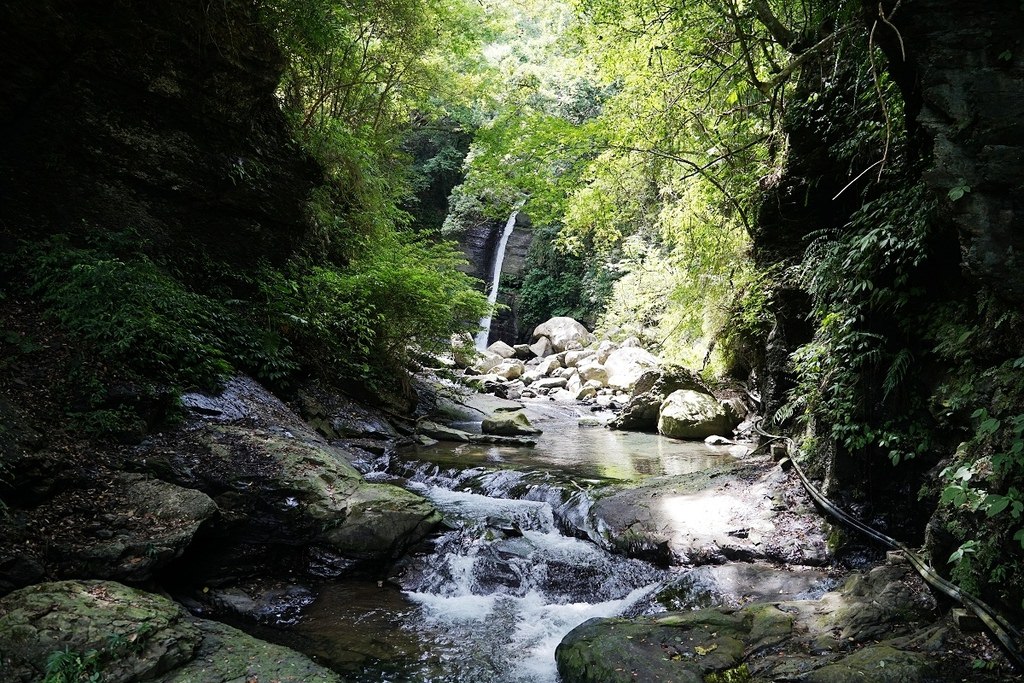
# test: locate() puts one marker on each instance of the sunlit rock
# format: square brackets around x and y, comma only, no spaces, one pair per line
[561,331]
[542,347]
[688,414]
[626,365]
[604,349]
[502,349]
[574,358]
[593,372]
[487,361]
[509,369]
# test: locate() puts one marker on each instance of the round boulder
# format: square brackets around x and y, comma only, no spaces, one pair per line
[626,365]
[688,414]
[562,331]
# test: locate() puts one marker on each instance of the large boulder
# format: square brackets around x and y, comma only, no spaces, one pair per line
[649,392]
[135,636]
[509,424]
[626,365]
[689,414]
[502,349]
[562,331]
[275,486]
[542,348]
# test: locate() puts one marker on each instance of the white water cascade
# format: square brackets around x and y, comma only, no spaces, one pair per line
[492,295]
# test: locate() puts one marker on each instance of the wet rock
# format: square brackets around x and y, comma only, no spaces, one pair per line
[509,424]
[687,414]
[562,331]
[626,365]
[442,433]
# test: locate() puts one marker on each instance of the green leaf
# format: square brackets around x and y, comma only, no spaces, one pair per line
[994,504]
[1005,56]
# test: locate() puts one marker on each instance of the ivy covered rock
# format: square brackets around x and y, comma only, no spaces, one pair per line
[689,414]
[121,634]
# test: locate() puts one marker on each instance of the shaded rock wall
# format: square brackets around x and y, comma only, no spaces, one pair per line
[154,116]
[479,243]
[963,80]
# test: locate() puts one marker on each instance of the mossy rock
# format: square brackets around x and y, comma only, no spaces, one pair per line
[685,647]
[876,663]
[129,635]
[138,635]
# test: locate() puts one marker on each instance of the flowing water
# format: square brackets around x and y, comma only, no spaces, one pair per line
[492,294]
[490,598]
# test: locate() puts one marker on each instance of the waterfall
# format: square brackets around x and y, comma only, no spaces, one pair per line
[492,295]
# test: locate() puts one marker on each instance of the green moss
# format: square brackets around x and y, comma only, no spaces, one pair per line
[739,674]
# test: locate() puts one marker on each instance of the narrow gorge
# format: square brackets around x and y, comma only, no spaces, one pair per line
[542,342]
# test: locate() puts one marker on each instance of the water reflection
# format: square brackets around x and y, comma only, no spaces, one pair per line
[582,451]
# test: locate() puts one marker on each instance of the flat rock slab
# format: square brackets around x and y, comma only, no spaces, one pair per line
[735,512]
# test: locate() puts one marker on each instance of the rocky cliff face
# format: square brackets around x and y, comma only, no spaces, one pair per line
[479,243]
[157,117]
[963,80]
[507,325]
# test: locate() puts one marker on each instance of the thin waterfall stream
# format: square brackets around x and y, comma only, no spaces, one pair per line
[492,294]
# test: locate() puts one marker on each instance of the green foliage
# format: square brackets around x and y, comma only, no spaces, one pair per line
[67,666]
[364,321]
[132,315]
[560,283]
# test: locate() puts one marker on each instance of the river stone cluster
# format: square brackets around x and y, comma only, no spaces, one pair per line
[566,362]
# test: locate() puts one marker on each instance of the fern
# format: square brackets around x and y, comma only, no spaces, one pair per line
[897,372]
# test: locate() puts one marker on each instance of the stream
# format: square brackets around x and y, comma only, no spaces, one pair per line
[519,563]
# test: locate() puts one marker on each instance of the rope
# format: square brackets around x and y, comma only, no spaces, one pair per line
[1005,632]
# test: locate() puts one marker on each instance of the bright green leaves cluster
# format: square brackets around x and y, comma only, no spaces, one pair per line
[402,296]
[365,85]
[655,135]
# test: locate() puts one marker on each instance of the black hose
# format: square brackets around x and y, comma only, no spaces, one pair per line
[1005,632]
